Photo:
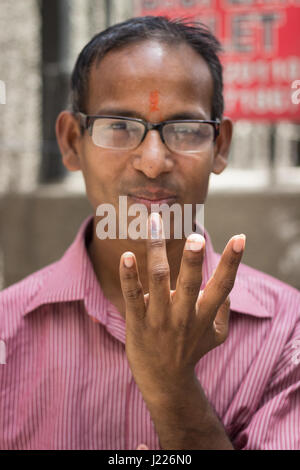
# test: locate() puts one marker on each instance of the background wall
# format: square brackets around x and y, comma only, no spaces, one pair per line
[41,206]
[37,228]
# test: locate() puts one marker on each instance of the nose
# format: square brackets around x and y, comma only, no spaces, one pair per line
[152,156]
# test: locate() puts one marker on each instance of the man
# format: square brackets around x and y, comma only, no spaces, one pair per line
[124,342]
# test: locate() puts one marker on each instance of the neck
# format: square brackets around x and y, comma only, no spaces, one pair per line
[105,256]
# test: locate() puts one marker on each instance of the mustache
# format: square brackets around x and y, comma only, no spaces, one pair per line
[133,186]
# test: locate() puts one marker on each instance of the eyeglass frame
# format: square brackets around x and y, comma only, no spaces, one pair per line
[87,121]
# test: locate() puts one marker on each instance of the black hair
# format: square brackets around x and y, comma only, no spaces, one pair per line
[138,29]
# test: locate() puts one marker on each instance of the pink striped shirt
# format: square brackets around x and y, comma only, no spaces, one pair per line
[65,382]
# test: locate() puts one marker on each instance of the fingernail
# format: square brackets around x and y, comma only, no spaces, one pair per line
[142,447]
[195,242]
[128,260]
[239,243]
[155,225]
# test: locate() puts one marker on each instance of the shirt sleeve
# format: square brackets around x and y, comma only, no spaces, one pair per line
[276,423]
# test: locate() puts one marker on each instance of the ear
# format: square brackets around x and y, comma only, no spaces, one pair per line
[222,146]
[69,139]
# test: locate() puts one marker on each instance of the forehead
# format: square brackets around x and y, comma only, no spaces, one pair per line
[128,75]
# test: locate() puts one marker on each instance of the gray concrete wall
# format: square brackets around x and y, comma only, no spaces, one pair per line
[20,123]
[36,229]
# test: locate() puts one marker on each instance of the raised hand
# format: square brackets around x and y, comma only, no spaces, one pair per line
[167,332]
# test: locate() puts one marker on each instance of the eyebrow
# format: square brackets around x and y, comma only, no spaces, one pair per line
[187,115]
[174,117]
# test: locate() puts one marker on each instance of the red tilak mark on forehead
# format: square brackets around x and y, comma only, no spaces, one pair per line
[154,101]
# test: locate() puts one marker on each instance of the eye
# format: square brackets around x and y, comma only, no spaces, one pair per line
[118,126]
[183,130]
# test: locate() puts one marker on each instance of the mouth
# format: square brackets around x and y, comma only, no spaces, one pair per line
[149,196]
[148,202]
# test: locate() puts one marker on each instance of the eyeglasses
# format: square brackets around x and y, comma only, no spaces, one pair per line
[125,133]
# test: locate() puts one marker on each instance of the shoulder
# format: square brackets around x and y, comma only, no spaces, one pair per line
[59,281]
[273,295]
[15,298]
[277,296]
[259,279]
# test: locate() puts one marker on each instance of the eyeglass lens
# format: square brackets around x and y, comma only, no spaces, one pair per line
[122,134]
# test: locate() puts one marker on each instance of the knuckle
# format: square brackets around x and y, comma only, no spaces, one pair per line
[233,262]
[129,275]
[156,243]
[160,273]
[158,325]
[183,327]
[226,285]
[194,259]
[191,288]
[133,293]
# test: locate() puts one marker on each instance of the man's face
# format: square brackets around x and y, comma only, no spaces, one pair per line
[155,82]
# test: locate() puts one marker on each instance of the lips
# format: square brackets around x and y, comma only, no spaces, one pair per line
[148,198]
[153,194]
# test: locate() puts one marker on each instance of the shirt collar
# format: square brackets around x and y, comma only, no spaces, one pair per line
[72,278]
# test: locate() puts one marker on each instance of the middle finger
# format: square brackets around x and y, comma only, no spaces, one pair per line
[190,275]
[157,265]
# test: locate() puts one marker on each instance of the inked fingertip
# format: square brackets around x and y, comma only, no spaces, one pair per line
[128,260]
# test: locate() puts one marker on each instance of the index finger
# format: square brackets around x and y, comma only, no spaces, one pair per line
[222,281]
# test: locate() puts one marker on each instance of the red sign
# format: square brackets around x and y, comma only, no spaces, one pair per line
[261,59]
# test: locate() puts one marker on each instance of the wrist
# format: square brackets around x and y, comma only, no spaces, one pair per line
[183,417]
[174,394]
